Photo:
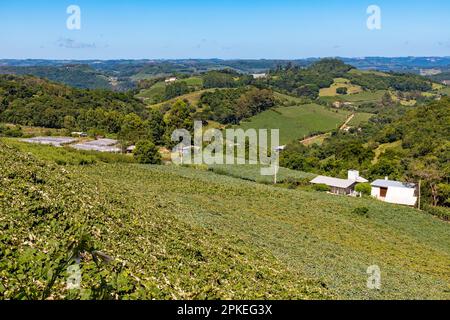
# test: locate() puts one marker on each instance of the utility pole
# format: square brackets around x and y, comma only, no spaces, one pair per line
[275,174]
[420,183]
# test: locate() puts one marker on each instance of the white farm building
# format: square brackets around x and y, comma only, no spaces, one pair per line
[341,186]
[395,192]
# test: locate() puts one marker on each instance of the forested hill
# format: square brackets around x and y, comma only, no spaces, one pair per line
[28,100]
[78,76]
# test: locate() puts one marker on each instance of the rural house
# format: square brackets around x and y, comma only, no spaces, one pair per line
[341,186]
[171,80]
[395,192]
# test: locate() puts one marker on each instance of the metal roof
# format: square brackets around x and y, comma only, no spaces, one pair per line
[390,183]
[333,182]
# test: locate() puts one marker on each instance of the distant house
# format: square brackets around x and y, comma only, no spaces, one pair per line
[79,134]
[341,186]
[446,82]
[259,75]
[171,79]
[395,192]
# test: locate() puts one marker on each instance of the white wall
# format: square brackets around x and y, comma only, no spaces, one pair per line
[375,192]
[403,196]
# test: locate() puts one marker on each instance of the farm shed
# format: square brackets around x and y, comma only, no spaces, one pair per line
[101,145]
[395,192]
[341,186]
[338,186]
[52,141]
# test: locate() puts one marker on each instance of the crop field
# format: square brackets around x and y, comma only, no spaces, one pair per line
[366,96]
[129,247]
[66,155]
[177,232]
[340,83]
[253,173]
[297,121]
[316,234]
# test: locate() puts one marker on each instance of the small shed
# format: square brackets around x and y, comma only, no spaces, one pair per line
[338,186]
[395,192]
[341,186]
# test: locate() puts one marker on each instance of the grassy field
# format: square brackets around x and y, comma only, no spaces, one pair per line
[360,118]
[445,90]
[193,98]
[340,83]
[297,121]
[158,89]
[178,233]
[365,72]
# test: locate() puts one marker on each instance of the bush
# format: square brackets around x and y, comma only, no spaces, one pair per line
[364,188]
[13,132]
[342,90]
[292,183]
[322,187]
[440,212]
[147,153]
[361,211]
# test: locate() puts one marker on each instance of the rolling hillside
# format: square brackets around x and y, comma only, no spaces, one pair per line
[177,232]
[128,246]
[297,121]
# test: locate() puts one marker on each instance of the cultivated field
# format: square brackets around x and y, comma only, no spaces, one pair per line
[340,83]
[297,121]
[177,232]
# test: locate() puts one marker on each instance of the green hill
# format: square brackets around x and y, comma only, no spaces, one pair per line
[297,121]
[51,214]
[177,232]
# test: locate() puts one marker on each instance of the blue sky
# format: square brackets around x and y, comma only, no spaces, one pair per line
[282,29]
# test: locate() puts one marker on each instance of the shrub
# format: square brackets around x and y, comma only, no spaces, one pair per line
[322,187]
[361,211]
[364,188]
[147,153]
[292,183]
[440,212]
[14,132]
[342,90]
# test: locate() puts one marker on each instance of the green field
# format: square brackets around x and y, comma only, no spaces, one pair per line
[297,121]
[366,96]
[340,83]
[359,119]
[182,233]
[158,89]
[446,91]
[253,173]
